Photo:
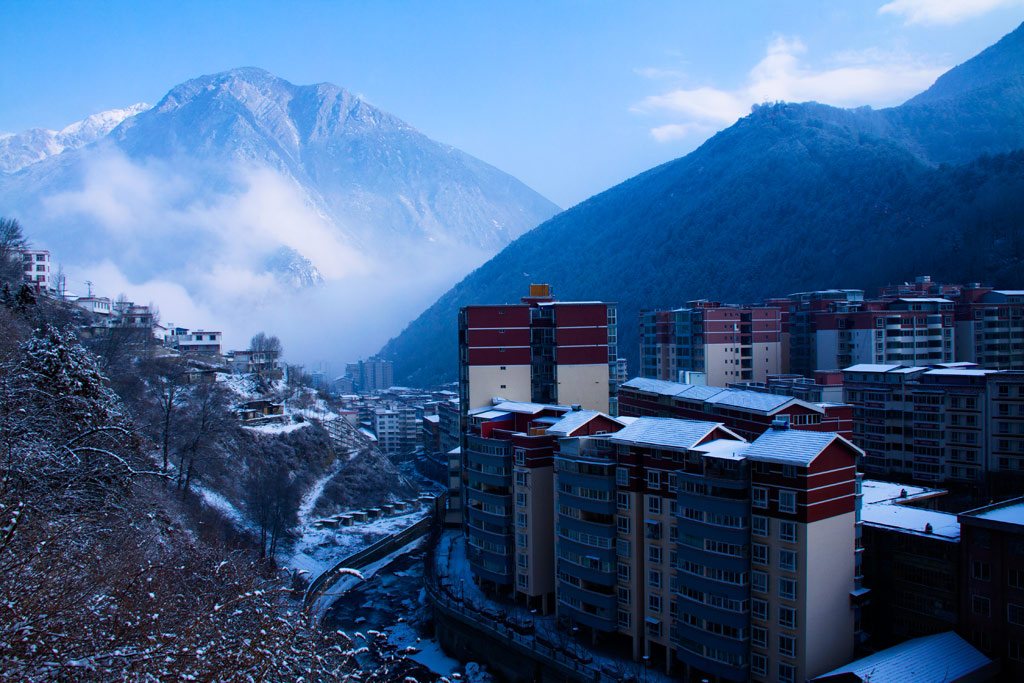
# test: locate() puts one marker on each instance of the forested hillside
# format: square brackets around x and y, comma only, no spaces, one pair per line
[791,197]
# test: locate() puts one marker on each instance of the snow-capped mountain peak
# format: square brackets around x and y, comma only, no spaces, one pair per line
[35,144]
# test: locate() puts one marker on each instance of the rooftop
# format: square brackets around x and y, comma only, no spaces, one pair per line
[726,449]
[791,447]
[932,659]
[664,431]
[573,420]
[886,504]
[1008,512]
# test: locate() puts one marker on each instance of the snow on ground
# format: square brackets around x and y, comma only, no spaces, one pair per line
[308,502]
[456,577]
[348,581]
[430,653]
[320,549]
[278,428]
[225,507]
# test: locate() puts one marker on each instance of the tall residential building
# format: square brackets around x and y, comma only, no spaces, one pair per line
[540,351]
[992,583]
[698,549]
[376,374]
[990,327]
[727,343]
[509,493]
[955,424]
[748,413]
[831,333]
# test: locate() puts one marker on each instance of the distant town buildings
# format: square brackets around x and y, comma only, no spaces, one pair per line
[36,269]
[945,423]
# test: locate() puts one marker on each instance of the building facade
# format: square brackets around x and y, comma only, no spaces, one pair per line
[727,343]
[957,424]
[749,413]
[36,269]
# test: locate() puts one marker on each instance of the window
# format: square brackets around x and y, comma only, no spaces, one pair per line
[787,501]
[787,589]
[760,497]
[654,628]
[759,581]
[621,476]
[654,505]
[1015,614]
[521,478]
[654,554]
[654,578]
[625,595]
[1016,578]
[759,553]
[522,540]
[622,524]
[520,456]
[787,646]
[787,617]
[521,499]
[622,547]
[624,619]
[787,672]
[981,606]
[787,531]
[623,570]
[654,603]
[653,479]
[759,609]
[758,664]
[759,525]
[523,561]
[758,636]
[787,560]
[622,501]
[521,519]
[981,571]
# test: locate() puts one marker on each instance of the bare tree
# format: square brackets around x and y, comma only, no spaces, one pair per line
[168,382]
[207,419]
[12,242]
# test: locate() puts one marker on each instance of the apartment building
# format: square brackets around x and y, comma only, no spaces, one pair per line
[397,429]
[956,423]
[37,270]
[375,374]
[911,562]
[725,342]
[992,583]
[990,327]
[539,351]
[707,554]
[747,412]
[194,341]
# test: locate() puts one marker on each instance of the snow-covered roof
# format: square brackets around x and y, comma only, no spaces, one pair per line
[871,367]
[874,491]
[490,414]
[891,514]
[1008,513]
[432,418]
[573,420]
[655,386]
[751,400]
[959,372]
[791,447]
[920,299]
[726,449]
[931,659]
[698,392]
[526,408]
[666,432]
[1009,292]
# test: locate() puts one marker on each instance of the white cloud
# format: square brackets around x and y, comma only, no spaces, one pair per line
[852,79]
[942,11]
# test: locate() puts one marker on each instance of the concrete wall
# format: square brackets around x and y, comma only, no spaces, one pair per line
[827,617]
[586,385]
[488,381]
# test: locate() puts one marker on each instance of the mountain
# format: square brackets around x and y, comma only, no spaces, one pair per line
[238,188]
[26,148]
[790,198]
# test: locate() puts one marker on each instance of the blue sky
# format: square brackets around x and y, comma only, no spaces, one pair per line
[570,96]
